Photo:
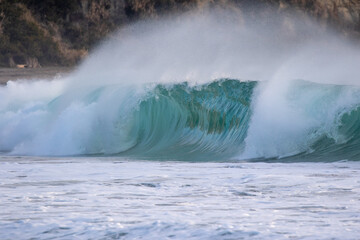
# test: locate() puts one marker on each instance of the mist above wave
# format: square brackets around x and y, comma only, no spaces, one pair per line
[218,43]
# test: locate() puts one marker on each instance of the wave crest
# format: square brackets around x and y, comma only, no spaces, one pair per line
[222,120]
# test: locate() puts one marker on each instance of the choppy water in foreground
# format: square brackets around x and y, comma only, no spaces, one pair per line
[113,198]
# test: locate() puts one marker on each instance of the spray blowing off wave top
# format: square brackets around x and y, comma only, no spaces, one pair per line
[169,90]
[176,121]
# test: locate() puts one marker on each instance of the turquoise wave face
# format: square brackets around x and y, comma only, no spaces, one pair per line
[205,122]
[222,120]
[330,148]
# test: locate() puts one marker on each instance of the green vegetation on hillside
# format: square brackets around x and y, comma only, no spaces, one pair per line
[21,38]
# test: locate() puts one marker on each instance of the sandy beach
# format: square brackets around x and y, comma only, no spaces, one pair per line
[7,74]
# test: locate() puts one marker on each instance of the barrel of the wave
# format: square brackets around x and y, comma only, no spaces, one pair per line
[193,123]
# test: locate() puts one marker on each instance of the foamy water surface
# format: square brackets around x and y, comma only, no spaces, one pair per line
[114,198]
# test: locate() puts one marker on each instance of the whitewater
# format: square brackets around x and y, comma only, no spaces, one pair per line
[206,125]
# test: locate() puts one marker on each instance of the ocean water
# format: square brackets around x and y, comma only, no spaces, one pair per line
[192,127]
[184,162]
[221,120]
[117,198]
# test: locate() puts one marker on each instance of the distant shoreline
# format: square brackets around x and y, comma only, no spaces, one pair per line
[46,73]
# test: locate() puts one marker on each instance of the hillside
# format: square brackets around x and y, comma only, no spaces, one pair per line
[61,32]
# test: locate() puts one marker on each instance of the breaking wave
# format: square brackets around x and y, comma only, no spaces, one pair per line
[222,120]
